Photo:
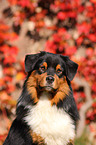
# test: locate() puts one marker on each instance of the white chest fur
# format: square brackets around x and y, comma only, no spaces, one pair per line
[51,123]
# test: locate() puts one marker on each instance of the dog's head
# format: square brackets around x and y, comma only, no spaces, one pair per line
[49,72]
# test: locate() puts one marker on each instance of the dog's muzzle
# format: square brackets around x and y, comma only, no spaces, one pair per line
[50,79]
[49,83]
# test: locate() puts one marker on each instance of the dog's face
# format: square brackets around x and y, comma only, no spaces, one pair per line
[48,72]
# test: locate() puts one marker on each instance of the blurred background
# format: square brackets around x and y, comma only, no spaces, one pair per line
[66,27]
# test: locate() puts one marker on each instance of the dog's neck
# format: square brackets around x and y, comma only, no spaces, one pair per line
[46,95]
[54,125]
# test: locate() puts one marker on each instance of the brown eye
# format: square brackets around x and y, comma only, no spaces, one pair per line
[59,71]
[42,68]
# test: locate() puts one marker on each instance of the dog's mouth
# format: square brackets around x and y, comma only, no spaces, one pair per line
[48,84]
[47,88]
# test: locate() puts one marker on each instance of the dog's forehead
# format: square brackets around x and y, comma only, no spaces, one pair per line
[52,59]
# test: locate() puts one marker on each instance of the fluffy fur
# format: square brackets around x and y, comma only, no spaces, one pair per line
[53,124]
[46,112]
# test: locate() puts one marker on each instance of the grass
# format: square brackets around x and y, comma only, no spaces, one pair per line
[83,140]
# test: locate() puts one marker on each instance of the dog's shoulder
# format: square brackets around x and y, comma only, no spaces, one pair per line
[18,134]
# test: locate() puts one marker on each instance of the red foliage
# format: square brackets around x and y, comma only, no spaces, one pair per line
[83,28]
[62,15]
[8,71]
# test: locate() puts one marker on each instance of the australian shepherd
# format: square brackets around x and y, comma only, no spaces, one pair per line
[46,112]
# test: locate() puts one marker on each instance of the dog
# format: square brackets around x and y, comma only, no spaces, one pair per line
[46,112]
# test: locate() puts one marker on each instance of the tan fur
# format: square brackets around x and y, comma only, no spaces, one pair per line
[42,79]
[31,86]
[43,67]
[58,67]
[45,64]
[59,83]
[37,138]
[63,90]
[71,142]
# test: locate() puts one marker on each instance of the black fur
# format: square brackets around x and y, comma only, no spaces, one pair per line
[19,134]
[19,131]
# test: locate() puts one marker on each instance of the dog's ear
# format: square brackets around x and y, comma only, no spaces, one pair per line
[30,60]
[71,67]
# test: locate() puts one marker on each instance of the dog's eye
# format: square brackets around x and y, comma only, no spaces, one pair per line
[42,68]
[59,71]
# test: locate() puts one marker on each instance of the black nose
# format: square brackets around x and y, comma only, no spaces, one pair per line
[49,79]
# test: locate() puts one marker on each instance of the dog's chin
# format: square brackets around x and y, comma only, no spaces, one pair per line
[48,88]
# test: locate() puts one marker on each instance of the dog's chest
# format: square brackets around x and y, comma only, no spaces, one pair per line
[54,125]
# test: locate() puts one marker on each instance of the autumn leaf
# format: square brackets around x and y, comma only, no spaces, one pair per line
[9,60]
[10,88]
[89,52]
[83,28]
[9,50]
[62,15]
[94,87]
[2,82]
[13,50]
[13,2]
[4,27]
[79,40]
[93,1]
[10,36]
[8,79]
[4,97]
[4,49]
[81,9]
[20,76]
[40,24]
[70,50]
[94,105]
[57,38]
[50,47]
[9,71]
[24,3]
[3,137]
[72,14]
[61,31]
[92,37]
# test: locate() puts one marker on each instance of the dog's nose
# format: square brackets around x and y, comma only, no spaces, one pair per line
[50,79]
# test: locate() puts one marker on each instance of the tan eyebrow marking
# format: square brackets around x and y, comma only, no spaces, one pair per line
[58,67]
[44,64]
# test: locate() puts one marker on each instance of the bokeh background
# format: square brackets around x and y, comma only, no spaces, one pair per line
[66,27]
